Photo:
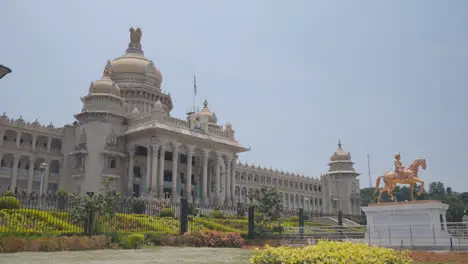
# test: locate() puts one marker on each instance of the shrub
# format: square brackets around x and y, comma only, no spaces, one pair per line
[135,241]
[153,238]
[48,244]
[166,212]
[217,214]
[331,252]
[138,206]
[206,238]
[9,202]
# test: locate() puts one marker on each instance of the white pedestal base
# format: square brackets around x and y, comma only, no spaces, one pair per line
[411,224]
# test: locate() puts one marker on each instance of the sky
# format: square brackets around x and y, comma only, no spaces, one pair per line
[292,77]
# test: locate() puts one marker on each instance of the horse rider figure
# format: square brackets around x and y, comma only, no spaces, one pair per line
[399,168]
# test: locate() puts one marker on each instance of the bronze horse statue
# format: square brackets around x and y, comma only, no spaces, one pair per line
[410,176]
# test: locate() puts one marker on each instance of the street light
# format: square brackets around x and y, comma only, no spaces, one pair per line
[4,70]
[43,167]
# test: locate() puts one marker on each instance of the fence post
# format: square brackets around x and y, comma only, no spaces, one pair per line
[89,221]
[251,218]
[301,223]
[183,215]
[340,218]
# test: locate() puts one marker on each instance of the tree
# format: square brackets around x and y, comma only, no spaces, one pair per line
[456,209]
[268,205]
[103,204]
[437,190]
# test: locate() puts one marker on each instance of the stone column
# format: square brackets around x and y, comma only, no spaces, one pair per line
[162,156]
[46,176]
[31,174]
[205,187]
[15,172]
[175,161]
[18,139]
[148,170]
[34,142]
[131,155]
[228,197]
[444,218]
[233,181]
[49,143]
[219,160]
[154,168]
[188,180]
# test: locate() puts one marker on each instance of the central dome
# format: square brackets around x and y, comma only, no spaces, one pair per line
[134,61]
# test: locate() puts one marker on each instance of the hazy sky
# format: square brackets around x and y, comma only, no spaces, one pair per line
[293,77]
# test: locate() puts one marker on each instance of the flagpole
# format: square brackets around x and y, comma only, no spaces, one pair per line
[368,170]
[194,91]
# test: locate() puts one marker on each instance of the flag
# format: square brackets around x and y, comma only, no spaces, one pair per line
[194,85]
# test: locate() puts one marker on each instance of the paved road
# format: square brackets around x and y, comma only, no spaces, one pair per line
[159,255]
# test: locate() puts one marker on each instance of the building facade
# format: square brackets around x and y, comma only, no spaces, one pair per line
[125,132]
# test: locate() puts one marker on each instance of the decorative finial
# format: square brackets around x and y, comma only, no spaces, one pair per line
[339,144]
[107,69]
[135,41]
[205,104]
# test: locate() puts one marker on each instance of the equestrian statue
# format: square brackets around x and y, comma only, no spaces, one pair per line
[401,175]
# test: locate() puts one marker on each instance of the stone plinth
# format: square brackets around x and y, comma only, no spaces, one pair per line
[413,224]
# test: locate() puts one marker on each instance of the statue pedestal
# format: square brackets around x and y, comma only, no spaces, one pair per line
[418,224]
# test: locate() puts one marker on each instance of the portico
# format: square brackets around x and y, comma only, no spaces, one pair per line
[175,169]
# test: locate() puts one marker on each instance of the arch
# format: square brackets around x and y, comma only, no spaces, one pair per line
[38,162]
[23,162]
[243,176]
[54,166]
[56,144]
[7,160]
[141,151]
[10,135]
[41,142]
[244,191]
[26,140]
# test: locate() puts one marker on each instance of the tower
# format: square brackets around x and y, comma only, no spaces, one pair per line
[100,123]
[341,192]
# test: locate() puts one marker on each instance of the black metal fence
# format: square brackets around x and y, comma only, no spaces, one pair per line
[68,215]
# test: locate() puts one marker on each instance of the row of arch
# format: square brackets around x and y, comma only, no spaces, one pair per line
[28,139]
[262,179]
[289,200]
[7,160]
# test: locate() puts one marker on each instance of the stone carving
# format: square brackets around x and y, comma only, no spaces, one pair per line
[111,139]
[403,176]
[107,70]
[82,141]
[135,36]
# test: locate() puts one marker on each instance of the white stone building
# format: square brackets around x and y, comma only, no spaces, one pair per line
[125,131]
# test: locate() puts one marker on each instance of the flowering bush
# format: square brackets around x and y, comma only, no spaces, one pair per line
[331,252]
[204,239]
[9,202]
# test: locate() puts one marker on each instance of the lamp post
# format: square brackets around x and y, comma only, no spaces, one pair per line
[4,70]
[41,186]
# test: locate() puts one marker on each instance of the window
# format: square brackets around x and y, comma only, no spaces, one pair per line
[167,175]
[168,156]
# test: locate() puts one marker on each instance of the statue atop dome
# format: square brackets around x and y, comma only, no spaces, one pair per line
[135,37]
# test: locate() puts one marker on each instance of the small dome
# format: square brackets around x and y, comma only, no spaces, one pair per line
[105,85]
[340,154]
[206,112]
